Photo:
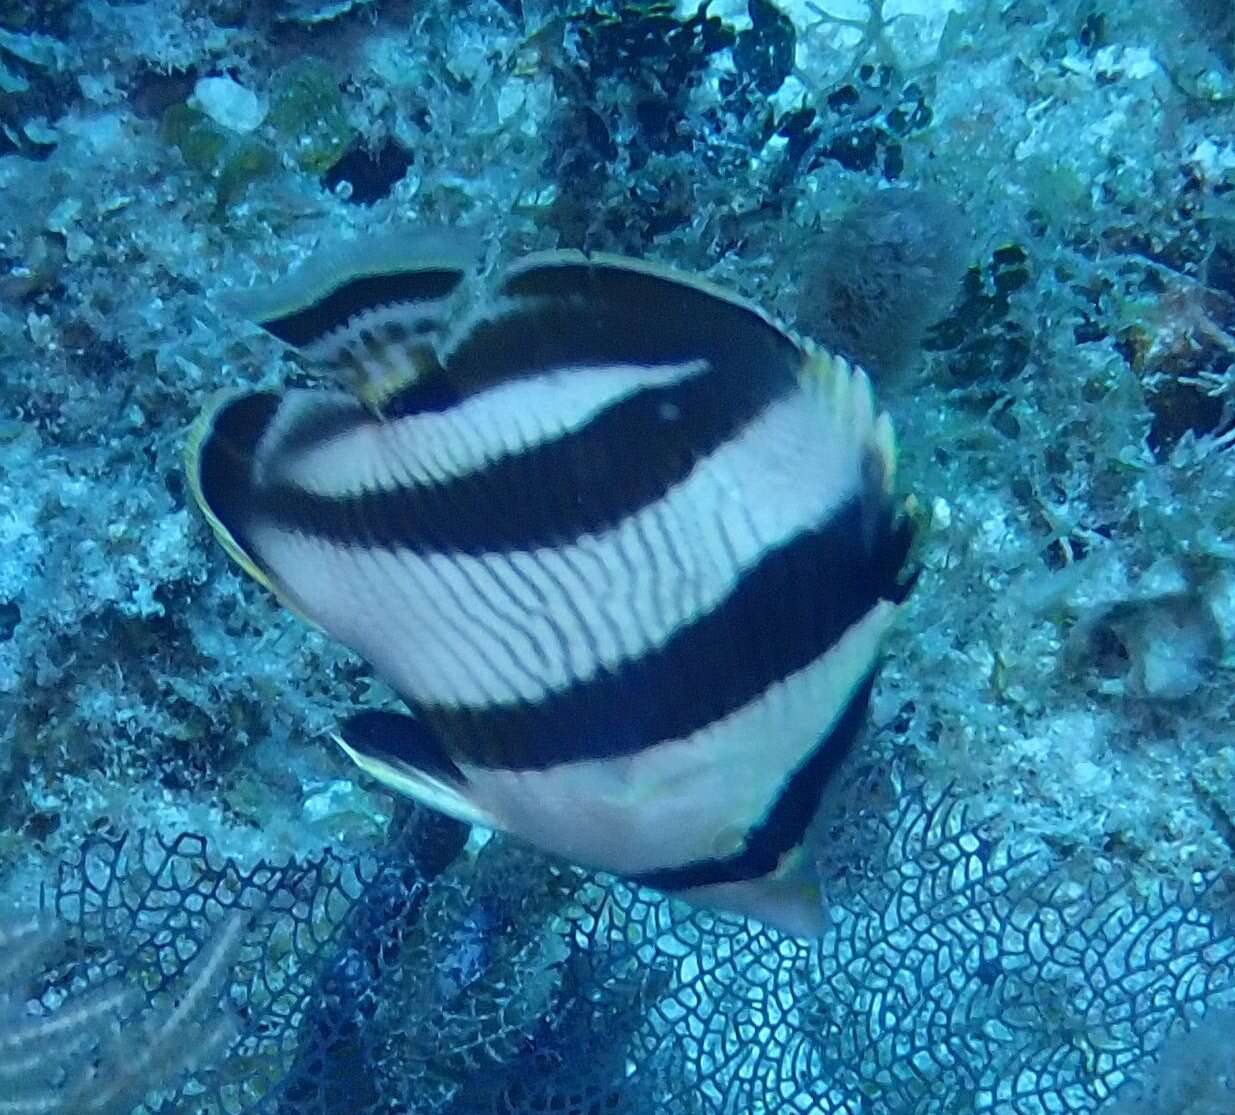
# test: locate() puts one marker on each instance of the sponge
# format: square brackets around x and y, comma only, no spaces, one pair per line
[885,271]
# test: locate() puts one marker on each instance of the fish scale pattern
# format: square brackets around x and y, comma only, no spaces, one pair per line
[961,973]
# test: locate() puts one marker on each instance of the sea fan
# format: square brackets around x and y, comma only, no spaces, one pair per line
[961,973]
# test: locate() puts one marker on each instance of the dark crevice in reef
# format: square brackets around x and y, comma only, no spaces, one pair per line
[370,174]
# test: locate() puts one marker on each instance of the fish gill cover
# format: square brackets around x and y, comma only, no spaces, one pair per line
[1064,665]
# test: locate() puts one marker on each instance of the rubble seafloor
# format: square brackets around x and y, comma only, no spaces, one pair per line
[1055,340]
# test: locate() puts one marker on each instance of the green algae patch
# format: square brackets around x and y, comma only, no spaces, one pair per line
[199,139]
[306,121]
[231,162]
[247,161]
[308,114]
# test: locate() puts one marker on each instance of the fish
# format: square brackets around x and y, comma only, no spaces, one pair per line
[627,550]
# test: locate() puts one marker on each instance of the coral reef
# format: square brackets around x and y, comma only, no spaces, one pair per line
[1065,403]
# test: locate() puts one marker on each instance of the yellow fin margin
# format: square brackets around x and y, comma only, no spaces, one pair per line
[851,405]
[197,436]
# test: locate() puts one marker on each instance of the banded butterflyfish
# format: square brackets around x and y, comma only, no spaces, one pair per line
[627,550]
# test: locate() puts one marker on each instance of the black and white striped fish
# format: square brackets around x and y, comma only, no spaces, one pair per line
[626,549]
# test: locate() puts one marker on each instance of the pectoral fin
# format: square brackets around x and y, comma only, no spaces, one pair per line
[401,753]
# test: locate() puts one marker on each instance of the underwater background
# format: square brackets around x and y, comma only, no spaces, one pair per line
[1019,216]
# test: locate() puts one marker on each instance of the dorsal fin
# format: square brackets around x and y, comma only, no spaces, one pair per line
[371,309]
[564,309]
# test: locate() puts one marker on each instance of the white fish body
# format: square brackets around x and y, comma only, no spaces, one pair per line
[627,551]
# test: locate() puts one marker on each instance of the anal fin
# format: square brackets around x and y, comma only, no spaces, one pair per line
[401,753]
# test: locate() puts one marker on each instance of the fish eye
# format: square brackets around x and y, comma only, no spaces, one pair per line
[670,412]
